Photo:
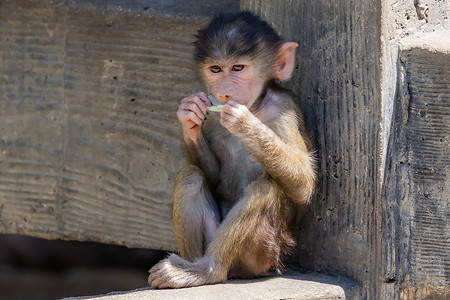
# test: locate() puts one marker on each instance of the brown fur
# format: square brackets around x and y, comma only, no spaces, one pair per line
[250,165]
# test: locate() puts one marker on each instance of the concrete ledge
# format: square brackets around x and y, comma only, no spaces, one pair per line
[291,285]
[437,41]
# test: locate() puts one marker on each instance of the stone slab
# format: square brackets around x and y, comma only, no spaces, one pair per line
[292,285]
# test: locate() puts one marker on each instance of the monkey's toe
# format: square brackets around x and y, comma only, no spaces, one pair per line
[175,272]
[157,274]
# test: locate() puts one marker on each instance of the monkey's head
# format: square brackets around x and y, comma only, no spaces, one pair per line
[238,54]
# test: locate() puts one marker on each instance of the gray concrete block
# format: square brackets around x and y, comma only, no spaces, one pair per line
[292,285]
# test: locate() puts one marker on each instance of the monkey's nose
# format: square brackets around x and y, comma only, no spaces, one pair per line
[224,98]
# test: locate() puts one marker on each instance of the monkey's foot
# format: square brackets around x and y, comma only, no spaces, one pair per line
[175,272]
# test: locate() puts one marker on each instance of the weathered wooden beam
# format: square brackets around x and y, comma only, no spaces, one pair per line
[416,194]
[391,235]
[336,82]
[89,140]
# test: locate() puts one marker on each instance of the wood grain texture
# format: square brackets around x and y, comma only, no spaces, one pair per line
[90,142]
[417,182]
[336,83]
[391,237]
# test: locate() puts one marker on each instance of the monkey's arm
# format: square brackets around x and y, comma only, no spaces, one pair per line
[281,150]
[200,154]
[286,160]
[192,113]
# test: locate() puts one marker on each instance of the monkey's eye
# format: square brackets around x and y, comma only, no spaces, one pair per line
[215,69]
[237,68]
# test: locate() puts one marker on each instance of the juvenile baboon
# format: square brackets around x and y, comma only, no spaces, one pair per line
[250,159]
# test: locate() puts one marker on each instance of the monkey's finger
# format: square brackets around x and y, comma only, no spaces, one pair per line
[231,110]
[188,117]
[185,116]
[196,100]
[227,120]
[236,109]
[226,114]
[193,107]
[227,108]
[233,103]
[204,98]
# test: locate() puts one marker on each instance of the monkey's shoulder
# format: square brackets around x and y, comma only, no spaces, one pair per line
[278,105]
[285,118]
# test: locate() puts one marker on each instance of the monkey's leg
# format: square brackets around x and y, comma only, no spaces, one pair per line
[254,235]
[251,238]
[196,219]
[195,214]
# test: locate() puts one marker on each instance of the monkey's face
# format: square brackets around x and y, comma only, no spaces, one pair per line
[233,80]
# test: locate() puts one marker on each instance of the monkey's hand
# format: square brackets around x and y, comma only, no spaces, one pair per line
[236,117]
[191,113]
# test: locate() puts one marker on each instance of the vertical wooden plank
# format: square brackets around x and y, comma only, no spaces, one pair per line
[337,86]
[416,189]
[428,136]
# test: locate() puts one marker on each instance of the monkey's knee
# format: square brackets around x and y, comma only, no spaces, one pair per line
[263,192]
[187,217]
[195,215]
[189,174]
[188,182]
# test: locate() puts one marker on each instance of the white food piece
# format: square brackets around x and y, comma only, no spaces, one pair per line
[217,108]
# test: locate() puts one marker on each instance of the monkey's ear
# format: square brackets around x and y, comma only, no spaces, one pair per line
[285,60]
